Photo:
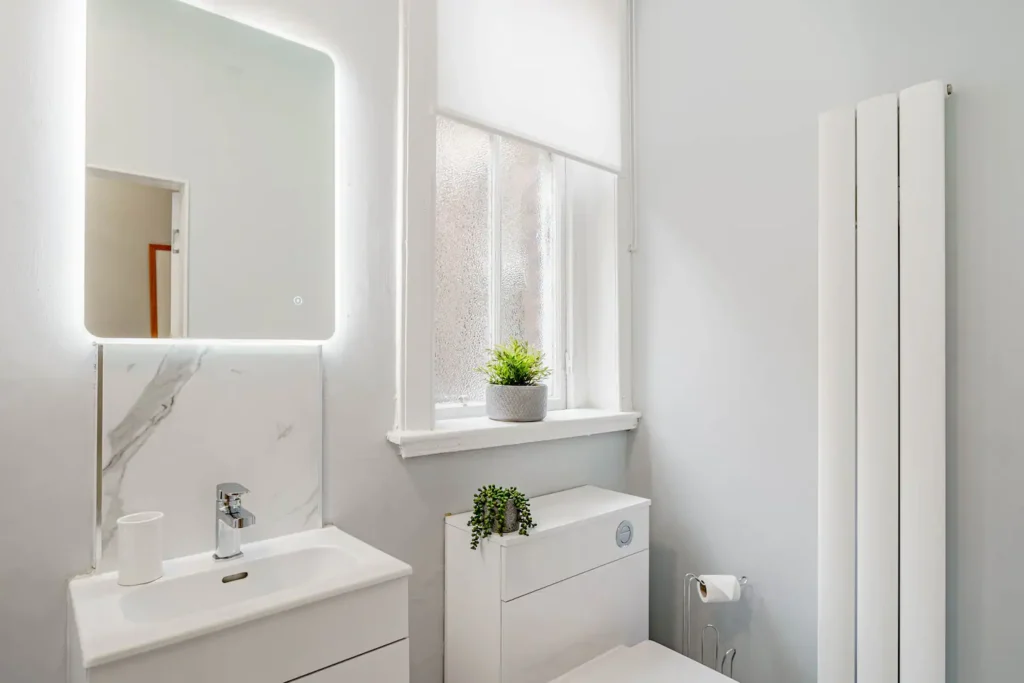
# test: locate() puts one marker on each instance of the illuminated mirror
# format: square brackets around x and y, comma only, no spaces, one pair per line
[210,180]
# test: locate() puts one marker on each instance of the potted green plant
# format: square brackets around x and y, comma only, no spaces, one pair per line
[499,510]
[514,389]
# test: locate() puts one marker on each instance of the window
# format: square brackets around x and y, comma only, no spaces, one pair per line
[499,260]
[515,215]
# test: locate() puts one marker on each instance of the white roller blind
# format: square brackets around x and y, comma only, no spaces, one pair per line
[548,71]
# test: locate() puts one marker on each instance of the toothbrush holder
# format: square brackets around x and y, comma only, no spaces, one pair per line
[140,553]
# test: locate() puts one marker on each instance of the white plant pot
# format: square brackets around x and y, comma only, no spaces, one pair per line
[517,404]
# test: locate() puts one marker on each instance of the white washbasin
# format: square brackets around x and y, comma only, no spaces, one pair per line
[252,579]
[199,595]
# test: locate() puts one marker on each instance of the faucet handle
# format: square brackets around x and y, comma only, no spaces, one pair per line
[229,491]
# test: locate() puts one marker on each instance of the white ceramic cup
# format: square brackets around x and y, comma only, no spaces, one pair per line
[140,552]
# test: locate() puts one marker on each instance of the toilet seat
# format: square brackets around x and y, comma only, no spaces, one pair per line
[647,662]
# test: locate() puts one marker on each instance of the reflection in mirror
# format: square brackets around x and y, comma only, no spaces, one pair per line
[133,230]
[210,189]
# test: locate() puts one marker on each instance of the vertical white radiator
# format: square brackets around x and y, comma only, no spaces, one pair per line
[837,395]
[881,390]
[878,391]
[923,384]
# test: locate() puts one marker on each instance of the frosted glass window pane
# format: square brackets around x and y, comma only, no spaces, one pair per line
[462,269]
[526,182]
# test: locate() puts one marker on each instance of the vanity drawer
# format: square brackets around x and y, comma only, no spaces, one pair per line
[536,562]
[387,665]
[283,647]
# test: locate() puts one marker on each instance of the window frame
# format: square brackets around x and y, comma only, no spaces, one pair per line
[598,393]
[557,359]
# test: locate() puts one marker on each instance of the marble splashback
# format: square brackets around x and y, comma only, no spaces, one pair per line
[178,420]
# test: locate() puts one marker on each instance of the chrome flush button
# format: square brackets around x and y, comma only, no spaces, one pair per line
[624,534]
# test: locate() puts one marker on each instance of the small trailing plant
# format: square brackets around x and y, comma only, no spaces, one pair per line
[515,364]
[489,507]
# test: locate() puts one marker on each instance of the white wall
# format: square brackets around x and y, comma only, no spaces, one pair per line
[247,120]
[121,220]
[725,301]
[46,398]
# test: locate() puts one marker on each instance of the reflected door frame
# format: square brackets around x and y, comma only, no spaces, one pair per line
[179,263]
[154,291]
[178,247]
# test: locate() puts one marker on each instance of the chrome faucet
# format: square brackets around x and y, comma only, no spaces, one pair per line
[230,520]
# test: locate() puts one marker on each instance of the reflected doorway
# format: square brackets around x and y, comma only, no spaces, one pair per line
[135,256]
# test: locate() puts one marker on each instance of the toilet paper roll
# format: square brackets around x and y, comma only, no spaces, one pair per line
[719,588]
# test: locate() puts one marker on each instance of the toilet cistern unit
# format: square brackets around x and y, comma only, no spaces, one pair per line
[528,609]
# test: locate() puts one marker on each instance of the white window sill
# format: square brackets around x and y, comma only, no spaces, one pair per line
[471,433]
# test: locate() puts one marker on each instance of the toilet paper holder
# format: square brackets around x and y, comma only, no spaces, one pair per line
[729,658]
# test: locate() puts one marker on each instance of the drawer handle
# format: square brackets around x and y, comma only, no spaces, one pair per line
[624,534]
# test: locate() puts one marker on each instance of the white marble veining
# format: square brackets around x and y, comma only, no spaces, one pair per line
[178,420]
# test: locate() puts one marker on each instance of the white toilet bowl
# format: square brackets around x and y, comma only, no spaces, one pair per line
[647,662]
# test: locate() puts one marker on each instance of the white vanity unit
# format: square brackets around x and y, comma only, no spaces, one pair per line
[319,605]
[527,609]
